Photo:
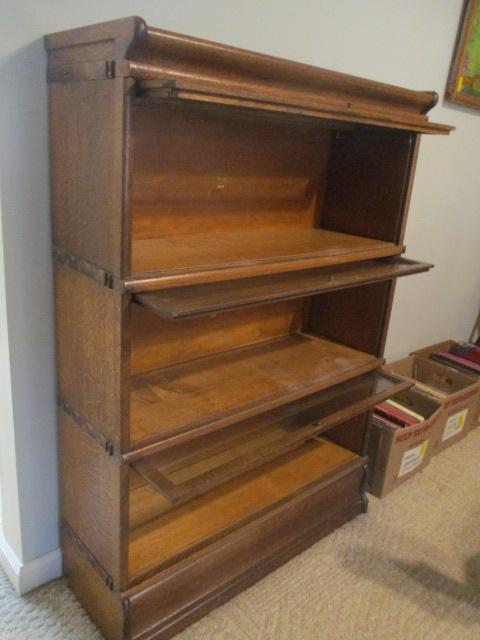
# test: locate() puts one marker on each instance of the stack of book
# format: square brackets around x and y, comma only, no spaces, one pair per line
[464,357]
[431,391]
[394,415]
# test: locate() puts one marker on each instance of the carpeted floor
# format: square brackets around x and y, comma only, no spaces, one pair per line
[407,570]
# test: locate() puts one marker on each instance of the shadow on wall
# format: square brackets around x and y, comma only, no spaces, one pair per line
[440,592]
[25,219]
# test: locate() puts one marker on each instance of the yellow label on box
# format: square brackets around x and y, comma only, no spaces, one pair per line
[412,459]
[454,424]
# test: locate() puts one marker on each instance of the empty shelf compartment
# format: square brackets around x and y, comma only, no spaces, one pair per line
[176,403]
[213,256]
[160,536]
[184,471]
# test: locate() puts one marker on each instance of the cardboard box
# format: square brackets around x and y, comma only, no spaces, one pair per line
[397,455]
[446,346]
[433,348]
[462,404]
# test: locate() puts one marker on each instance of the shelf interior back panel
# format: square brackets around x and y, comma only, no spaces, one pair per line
[197,466]
[214,391]
[198,300]
[158,535]
[177,254]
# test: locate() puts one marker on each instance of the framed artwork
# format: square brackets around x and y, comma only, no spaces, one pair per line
[464,80]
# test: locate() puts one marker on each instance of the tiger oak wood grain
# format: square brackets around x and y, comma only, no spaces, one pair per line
[244,556]
[262,250]
[197,300]
[92,484]
[267,189]
[217,390]
[223,170]
[87,170]
[159,540]
[197,466]
[90,337]
[164,604]
[103,605]
[173,65]
[157,343]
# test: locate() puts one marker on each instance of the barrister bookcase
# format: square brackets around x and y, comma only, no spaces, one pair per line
[228,229]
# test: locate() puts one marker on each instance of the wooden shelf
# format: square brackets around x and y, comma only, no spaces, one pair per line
[187,400]
[198,300]
[159,536]
[208,257]
[187,470]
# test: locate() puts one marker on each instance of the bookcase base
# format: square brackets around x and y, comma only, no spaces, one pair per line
[162,606]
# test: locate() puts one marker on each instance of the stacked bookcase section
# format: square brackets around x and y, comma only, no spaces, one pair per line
[228,229]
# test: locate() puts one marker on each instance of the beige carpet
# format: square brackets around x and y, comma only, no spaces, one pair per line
[407,570]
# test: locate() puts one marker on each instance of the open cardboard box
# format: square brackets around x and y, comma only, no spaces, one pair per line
[424,352]
[461,406]
[445,345]
[397,455]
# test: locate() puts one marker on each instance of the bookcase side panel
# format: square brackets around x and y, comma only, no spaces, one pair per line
[368,193]
[91,352]
[87,126]
[91,485]
[368,181]
[102,605]
[400,233]
[407,191]
[355,317]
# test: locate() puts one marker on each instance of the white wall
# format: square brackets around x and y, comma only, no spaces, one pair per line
[9,499]
[403,42]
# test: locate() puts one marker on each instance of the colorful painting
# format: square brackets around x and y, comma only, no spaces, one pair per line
[464,82]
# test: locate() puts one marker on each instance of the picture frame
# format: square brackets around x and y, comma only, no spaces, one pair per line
[464,79]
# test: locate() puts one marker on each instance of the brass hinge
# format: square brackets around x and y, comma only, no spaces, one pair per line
[106,577]
[109,280]
[101,276]
[106,443]
[95,70]
[110,69]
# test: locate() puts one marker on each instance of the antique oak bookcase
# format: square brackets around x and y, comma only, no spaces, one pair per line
[227,232]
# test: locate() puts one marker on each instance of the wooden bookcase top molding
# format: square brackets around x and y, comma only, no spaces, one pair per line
[228,229]
[170,65]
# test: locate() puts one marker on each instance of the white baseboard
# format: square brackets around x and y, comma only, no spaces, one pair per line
[28,576]
[10,563]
